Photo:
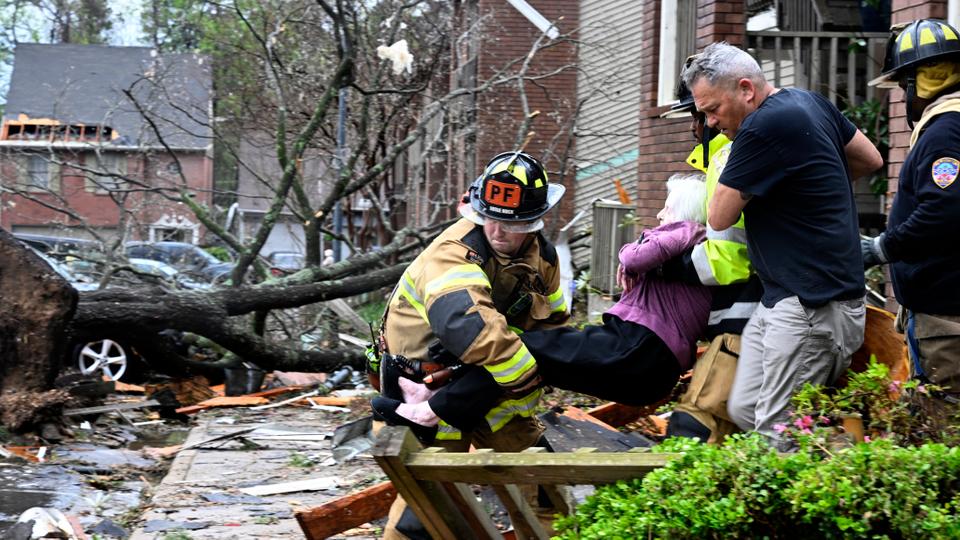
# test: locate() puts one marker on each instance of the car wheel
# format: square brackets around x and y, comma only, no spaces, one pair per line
[111,358]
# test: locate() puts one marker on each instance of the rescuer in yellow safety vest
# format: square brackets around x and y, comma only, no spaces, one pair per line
[721,262]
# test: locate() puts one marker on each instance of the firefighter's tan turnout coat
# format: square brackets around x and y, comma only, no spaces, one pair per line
[462,293]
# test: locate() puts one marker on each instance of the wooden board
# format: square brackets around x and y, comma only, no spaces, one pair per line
[223,401]
[347,512]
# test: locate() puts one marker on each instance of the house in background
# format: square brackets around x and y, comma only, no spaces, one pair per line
[256,188]
[106,139]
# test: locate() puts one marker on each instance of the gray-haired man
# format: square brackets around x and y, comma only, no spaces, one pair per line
[791,164]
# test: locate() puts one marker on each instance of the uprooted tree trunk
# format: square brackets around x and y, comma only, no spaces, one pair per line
[36,305]
[214,315]
[39,311]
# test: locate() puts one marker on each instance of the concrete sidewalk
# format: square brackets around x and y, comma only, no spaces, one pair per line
[200,497]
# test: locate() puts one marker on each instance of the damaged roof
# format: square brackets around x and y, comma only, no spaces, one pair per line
[85,84]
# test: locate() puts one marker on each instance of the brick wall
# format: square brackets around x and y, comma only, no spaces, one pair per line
[508,36]
[665,144]
[97,208]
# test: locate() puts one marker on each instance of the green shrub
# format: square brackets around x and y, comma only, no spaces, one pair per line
[744,489]
[881,490]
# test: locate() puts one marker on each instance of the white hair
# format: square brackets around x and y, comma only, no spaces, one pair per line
[723,64]
[687,197]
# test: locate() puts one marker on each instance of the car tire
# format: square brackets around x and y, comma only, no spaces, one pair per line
[108,358]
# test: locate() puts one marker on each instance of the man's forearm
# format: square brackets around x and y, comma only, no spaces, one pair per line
[725,207]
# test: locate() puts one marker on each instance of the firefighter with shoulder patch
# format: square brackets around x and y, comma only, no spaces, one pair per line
[720,262]
[920,243]
[469,293]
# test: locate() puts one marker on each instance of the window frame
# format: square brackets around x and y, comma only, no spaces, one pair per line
[105,183]
[25,177]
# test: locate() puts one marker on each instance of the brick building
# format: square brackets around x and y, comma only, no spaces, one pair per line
[493,38]
[78,155]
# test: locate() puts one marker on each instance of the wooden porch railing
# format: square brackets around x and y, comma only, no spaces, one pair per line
[835,64]
[436,484]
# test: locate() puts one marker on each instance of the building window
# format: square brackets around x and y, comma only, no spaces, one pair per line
[107,170]
[39,173]
[678,40]
[160,234]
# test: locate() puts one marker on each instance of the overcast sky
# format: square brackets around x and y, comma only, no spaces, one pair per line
[126,22]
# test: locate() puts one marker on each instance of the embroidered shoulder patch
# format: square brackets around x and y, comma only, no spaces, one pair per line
[945,171]
[474,257]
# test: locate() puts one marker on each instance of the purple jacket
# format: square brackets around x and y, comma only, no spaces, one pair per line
[677,312]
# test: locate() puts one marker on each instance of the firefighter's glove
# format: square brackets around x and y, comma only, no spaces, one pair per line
[872,251]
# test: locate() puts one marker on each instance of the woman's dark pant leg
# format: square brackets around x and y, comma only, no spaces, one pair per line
[617,361]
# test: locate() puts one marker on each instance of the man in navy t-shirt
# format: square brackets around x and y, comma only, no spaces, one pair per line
[790,170]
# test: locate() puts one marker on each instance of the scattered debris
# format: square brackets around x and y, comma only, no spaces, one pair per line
[109,529]
[347,512]
[111,408]
[352,439]
[217,497]
[223,401]
[186,391]
[160,525]
[295,378]
[313,484]
[49,523]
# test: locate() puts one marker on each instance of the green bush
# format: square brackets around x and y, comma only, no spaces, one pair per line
[744,489]
[880,490]
[829,488]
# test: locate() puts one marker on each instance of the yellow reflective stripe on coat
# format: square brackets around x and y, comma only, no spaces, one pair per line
[511,408]
[557,302]
[513,369]
[446,432]
[409,291]
[463,275]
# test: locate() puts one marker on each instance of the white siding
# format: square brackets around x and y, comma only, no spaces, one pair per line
[607,130]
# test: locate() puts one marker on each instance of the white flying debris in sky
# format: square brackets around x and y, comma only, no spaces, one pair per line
[399,55]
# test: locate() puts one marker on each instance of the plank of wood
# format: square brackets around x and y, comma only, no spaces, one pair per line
[545,468]
[112,407]
[615,414]
[224,437]
[347,512]
[428,500]
[223,401]
[121,386]
[579,414]
[276,391]
[473,511]
[312,484]
[524,519]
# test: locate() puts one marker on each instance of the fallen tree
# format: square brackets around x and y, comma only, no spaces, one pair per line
[36,305]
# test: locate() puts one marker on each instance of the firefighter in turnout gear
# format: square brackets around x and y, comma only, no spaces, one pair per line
[919,242]
[484,279]
[721,262]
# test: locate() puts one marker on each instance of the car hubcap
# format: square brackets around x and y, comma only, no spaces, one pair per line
[104,355]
